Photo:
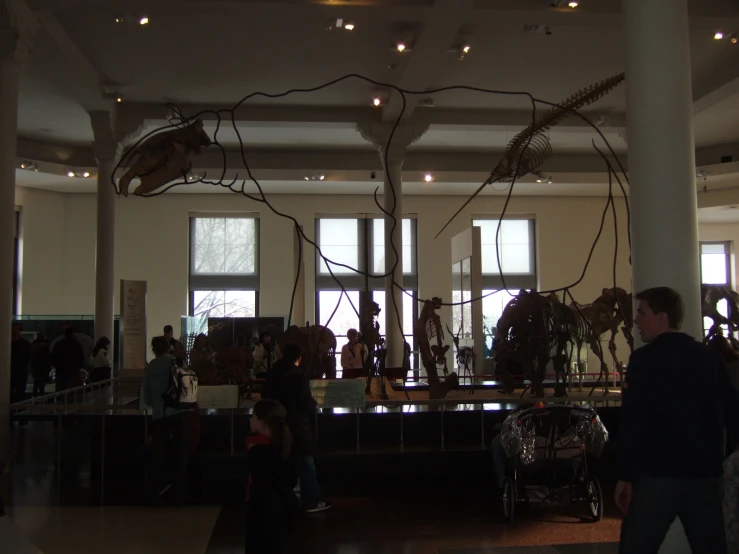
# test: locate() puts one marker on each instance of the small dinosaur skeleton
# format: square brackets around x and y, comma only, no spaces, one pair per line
[465,357]
[711,295]
[529,149]
[427,328]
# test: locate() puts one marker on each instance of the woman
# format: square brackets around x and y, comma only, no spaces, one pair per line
[203,360]
[100,361]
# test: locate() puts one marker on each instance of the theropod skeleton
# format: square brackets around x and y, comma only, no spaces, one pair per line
[428,327]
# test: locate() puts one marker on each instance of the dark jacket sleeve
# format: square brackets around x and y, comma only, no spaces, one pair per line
[731,404]
[634,412]
[26,353]
[304,400]
[80,355]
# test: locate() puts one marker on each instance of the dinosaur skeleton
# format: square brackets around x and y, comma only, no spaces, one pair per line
[465,357]
[606,313]
[564,325]
[528,150]
[374,365]
[711,295]
[428,327]
[523,340]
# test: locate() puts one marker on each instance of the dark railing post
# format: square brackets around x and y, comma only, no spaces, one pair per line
[102,460]
[357,428]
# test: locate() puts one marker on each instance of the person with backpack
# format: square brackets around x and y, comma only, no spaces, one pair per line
[271,504]
[168,389]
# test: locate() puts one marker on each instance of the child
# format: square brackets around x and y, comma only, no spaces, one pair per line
[271,504]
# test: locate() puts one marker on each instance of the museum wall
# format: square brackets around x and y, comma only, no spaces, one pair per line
[58,233]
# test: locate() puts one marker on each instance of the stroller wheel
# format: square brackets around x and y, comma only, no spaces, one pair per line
[509,499]
[595,499]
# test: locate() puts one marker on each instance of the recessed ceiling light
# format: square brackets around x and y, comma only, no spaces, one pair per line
[428,177]
[144,21]
[70,174]
[119,20]
[466,48]
[734,40]
[400,46]
[718,36]
[86,174]
[573,5]
[349,26]
[119,98]
[29,165]
[376,101]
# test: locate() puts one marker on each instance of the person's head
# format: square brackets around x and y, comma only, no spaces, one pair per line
[103,343]
[16,331]
[352,335]
[160,346]
[265,338]
[660,310]
[168,332]
[292,354]
[269,418]
[201,341]
[69,332]
[723,348]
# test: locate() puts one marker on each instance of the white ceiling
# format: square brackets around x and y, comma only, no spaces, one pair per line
[206,54]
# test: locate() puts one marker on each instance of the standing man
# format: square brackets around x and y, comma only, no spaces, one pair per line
[676,401]
[20,357]
[175,346]
[68,358]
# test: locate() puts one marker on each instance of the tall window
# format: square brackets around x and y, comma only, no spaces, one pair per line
[716,270]
[517,253]
[359,242]
[224,267]
[16,259]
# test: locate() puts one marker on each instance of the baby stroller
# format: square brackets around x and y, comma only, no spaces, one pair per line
[546,450]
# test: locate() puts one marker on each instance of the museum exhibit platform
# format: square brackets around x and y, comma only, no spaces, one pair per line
[91,449]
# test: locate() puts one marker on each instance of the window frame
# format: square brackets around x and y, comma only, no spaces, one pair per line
[366,285]
[727,246]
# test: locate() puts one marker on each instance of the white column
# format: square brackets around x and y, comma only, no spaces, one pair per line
[664,221]
[664,211]
[392,158]
[104,148]
[17,28]
[393,204]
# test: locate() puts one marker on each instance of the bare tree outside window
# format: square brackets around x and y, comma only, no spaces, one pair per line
[224,246]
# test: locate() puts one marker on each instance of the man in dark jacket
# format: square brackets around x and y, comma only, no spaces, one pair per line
[68,359]
[20,357]
[288,384]
[677,400]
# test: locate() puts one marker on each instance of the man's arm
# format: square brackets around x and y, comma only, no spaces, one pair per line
[634,412]
[730,402]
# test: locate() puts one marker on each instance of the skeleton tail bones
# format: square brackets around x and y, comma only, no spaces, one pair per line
[529,149]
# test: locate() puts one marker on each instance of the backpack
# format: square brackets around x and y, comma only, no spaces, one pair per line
[182,393]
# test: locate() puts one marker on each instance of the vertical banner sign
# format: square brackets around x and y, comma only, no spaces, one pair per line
[133,324]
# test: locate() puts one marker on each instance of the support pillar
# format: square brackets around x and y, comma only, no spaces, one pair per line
[664,211]
[18,26]
[392,158]
[104,148]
